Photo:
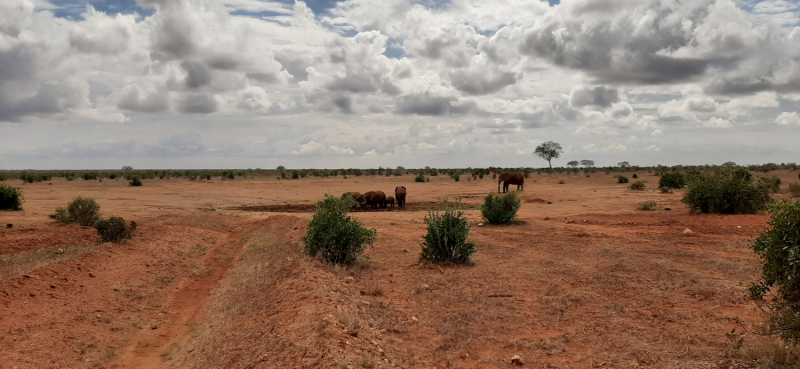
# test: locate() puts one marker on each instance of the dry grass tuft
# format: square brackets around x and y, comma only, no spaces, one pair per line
[349,319]
[373,289]
[15,265]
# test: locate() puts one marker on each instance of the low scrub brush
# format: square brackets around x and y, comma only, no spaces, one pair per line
[114,229]
[446,240]
[83,211]
[10,198]
[498,209]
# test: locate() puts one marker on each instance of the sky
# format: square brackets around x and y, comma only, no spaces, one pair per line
[95,84]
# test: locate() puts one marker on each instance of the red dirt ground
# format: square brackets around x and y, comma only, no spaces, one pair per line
[216,278]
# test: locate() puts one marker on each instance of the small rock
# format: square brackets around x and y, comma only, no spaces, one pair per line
[384,331]
[91,275]
[516,360]
[52,286]
[688,232]
[480,224]
[425,286]
[740,227]
[667,209]
[60,251]
[348,279]
[9,226]
[546,218]
[405,250]
[414,319]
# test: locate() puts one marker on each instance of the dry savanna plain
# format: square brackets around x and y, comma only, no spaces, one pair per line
[216,277]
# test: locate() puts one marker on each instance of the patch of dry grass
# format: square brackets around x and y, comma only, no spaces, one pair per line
[15,265]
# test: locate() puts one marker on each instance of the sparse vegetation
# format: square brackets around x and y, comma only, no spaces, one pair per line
[726,192]
[672,180]
[115,230]
[335,236]
[10,198]
[446,240]
[419,178]
[84,211]
[794,189]
[665,190]
[622,179]
[778,250]
[648,205]
[135,182]
[637,186]
[499,209]
[635,176]
[773,184]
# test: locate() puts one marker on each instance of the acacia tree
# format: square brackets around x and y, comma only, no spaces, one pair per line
[587,163]
[573,164]
[623,164]
[548,151]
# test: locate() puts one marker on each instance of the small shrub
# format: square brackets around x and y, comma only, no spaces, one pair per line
[637,186]
[672,180]
[635,176]
[447,236]
[665,190]
[562,181]
[135,182]
[456,177]
[726,192]
[648,205]
[83,211]
[295,174]
[419,178]
[498,209]
[778,250]
[114,229]
[773,184]
[10,198]
[333,235]
[794,189]
[622,179]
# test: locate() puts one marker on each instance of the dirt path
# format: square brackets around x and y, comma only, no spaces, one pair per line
[184,305]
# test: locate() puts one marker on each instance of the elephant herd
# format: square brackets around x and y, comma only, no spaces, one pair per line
[379,198]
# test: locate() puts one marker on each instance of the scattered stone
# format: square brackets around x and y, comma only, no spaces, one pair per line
[516,360]
[405,250]
[667,209]
[52,286]
[9,226]
[384,331]
[546,218]
[60,251]
[414,319]
[480,224]
[740,227]
[348,279]
[688,232]
[425,286]
[91,275]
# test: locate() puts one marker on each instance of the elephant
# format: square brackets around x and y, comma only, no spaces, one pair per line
[356,196]
[400,195]
[507,179]
[374,199]
[389,201]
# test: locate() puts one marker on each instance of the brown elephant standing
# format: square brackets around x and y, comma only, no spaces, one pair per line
[375,199]
[389,201]
[356,196]
[516,178]
[400,195]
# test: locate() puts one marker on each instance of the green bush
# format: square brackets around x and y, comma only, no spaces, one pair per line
[648,205]
[498,209]
[10,198]
[419,178]
[135,182]
[333,235]
[295,174]
[726,192]
[446,240]
[83,211]
[3,177]
[665,190]
[114,229]
[635,176]
[794,189]
[779,251]
[672,180]
[637,186]
[622,179]
[773,184]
